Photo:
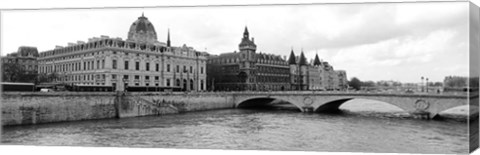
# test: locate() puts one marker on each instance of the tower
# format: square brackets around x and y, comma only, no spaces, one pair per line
[247,60]
[303,72]
[292,62]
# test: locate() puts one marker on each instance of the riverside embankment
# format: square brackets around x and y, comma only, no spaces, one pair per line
[35,108]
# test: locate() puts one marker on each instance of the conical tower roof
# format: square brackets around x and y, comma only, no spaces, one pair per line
[316,62]
[303,60]
[292,60]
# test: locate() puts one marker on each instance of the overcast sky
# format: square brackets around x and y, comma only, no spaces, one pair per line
[389,41]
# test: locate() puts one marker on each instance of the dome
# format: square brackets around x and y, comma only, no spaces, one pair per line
[142,30]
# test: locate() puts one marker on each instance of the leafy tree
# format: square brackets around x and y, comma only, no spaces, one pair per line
[12,72]
[355,83]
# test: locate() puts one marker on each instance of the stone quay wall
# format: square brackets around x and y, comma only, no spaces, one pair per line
[39,107]
[35,108]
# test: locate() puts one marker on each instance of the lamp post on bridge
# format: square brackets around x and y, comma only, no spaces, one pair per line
[426,85]
[421,84]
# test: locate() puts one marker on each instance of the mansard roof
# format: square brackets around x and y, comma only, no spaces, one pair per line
[264,56]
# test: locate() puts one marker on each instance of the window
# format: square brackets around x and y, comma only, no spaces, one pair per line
[125,77]
[201,84]
[147,66]
[201,70]
[168,82]
[84,65]
[184,69]
[114,64]
[147,77]
[98,64]
[156,67]
[137,77]
[191,69]
[191,84]
[103,63]
[168,67]
[156,77]
[178,68]
[114,76]
[126,65]
[137,65]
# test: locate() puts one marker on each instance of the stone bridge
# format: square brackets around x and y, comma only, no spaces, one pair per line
[426,104]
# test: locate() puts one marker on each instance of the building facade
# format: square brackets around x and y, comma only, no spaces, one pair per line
[25,56]
[20,66]
[140,60]
[249,70]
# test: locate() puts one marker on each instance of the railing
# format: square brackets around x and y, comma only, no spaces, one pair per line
[270,93]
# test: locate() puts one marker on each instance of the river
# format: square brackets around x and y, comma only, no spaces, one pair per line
[354,131]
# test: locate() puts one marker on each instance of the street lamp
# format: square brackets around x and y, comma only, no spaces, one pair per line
[426,85]
[421,84]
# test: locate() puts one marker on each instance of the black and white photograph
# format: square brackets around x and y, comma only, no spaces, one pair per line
[361,77]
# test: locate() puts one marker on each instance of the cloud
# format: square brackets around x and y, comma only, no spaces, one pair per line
[372,41]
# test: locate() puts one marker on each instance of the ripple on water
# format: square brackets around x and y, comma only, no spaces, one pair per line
[254,129]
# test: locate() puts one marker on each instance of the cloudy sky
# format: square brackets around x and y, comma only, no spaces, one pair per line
[379,41]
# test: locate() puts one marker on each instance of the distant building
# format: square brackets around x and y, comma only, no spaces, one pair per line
[140,60]
[249,70]
[458,83]
[25,56]
[316,75]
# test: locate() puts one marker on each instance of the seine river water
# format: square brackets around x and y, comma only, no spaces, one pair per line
[355,131]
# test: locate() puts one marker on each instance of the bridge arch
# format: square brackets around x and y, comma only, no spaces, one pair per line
[457,111]
[334,104]
[263,101]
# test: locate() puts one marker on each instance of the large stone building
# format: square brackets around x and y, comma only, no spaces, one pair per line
[140,60]
[20,66]
[316,75]
[249,70]
[25,56]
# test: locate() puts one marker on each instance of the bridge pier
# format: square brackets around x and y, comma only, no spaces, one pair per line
[421,114]
[307,109]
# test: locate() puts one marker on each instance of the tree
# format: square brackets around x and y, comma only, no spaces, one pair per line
[14,72]
[355,83]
